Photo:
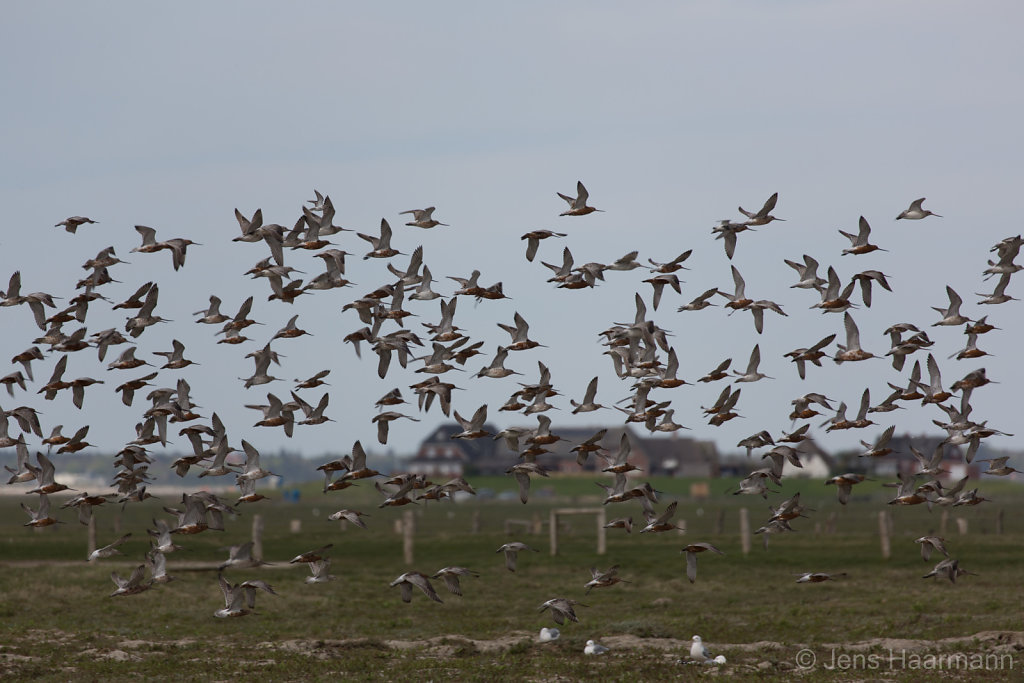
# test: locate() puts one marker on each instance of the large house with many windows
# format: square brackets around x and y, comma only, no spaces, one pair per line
[441,456]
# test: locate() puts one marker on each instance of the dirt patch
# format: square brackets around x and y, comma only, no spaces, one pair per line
[109,655]
[462,644]
[439,646]
[996,641]
[455,645]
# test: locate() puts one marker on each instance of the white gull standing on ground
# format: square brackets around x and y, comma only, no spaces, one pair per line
[699,653]
[549,634]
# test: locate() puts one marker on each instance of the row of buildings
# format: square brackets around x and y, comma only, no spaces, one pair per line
[441,456]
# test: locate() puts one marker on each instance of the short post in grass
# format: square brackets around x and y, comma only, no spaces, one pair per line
[553,531]
[961,525]
[745,531]
[257,537]
[883,533]
[408,527]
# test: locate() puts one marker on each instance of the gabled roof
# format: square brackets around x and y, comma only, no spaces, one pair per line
[474,449]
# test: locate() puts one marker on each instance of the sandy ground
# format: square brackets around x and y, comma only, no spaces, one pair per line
[742,658]
[989,641]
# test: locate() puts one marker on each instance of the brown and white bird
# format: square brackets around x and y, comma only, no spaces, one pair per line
[930,543]
[562,609]
[859,243]
[916,212]
[409,580]
[133,585]
[451,576]
[422,218]
[844,484]
[578,205]
[240,599]
[511,551]
[817,577]
[312,555]
[72,223]
[600,579]
[762,216]
[692,550]
[659,523]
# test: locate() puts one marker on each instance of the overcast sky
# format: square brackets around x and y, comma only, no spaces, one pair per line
[672,114]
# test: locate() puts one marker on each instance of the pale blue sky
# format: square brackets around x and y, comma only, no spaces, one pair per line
[672,114]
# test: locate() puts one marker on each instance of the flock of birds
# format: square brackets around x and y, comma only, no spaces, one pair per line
[640,351]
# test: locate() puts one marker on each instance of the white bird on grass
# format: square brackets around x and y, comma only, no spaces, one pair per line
[549,634]
[700,653]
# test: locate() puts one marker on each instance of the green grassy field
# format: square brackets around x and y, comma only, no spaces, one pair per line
[58,623]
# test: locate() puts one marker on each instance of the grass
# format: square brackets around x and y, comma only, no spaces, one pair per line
[55,606]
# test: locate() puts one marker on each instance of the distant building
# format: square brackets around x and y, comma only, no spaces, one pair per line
[902,460]
[441,456]
[681,456]
[561,457]
[816,462]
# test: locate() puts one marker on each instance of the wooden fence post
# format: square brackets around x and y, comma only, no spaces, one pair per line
[745,531]
[408,528]
[883,533]
[553,531]
[257,537]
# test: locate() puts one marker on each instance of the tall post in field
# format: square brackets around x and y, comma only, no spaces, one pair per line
[745,531]
[883,533]
[257,537]
[553,531]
